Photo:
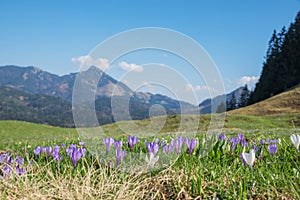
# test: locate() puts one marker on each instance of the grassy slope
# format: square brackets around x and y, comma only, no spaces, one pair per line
[190,122]
[286,102]
[280,111]
[16,131]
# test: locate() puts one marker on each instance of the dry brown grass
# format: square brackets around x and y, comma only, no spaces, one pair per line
[43,183]
[286,102]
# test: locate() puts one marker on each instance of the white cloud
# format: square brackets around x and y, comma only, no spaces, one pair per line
[130,67]
[249,80]
[196,88]
[87,61]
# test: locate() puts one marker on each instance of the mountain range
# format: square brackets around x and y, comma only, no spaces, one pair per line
[206,105]
[34,95]
[23,89]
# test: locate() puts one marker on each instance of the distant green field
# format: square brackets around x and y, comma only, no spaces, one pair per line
[15,131]
[193,122]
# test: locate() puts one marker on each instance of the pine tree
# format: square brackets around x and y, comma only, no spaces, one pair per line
[281,68]
[232,104]
[243,100]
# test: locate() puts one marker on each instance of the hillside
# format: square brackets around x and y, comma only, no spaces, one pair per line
[45,109]
[15,131]
[286,102]
[37,108]
[206,105]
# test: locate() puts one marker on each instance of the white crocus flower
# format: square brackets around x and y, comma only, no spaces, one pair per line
[295,140]
[151,160]
[249,158]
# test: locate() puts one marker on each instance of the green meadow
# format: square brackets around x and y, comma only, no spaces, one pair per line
[219,174]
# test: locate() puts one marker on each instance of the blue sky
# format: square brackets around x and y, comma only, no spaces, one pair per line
[49,34]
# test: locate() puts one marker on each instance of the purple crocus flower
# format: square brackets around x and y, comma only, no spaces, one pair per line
[119,155]
[272,148]
[132,140]
[81,143]
[177,144]
[243,143]
[234,141]
[118,144]
[241,136]
[108,142]
[191,144]
[55,153]
[242,140]
[69,151]
[9,159]
[37,150]
[3,158]
[222,137]
[168,148]
[161,143]
[20,171]
[48,150]
[152,147]
[76,155]
[7,170]
[83,151]
[19,160]
[43,149]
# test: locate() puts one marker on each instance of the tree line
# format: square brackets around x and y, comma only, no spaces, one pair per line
[281,67]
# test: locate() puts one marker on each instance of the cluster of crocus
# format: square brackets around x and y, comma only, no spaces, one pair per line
[132,140]
[152,147]
[8,165]
[249,158]
[120,154]
[55,153]
[75,153]
[240,139]
[41,149]
[177,144]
